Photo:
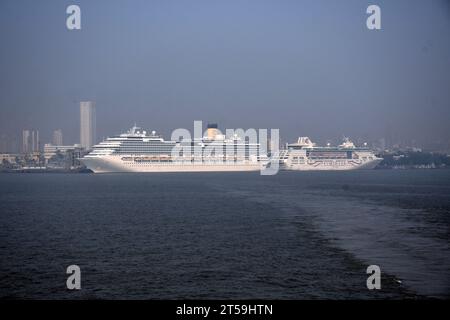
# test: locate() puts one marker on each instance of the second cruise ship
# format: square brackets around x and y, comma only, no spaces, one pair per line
[306,155]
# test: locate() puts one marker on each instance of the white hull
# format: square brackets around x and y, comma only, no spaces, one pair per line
[115,164]
[327,165]
[136,151]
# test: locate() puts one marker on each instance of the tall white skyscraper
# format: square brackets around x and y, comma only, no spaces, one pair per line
[34,141]
[25,141]
[30,141]
[57,137]
[87,124]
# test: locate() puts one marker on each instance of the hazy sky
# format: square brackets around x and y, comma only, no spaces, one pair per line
[305,67]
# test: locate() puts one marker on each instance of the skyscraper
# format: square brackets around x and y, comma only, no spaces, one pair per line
[57,137]
[87,124]
[30,141]
[4,143]
[25,141]
[34,141]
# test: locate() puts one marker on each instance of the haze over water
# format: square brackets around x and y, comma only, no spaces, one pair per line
[309,68]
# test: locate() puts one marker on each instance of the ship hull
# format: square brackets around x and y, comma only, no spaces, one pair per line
[332,165]
[112,164]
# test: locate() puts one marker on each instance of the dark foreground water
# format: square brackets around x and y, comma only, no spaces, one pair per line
[295,235]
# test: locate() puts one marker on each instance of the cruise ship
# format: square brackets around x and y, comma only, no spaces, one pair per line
[140,151]
[305,155]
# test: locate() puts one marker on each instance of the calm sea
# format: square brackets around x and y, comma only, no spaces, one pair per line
[296,235]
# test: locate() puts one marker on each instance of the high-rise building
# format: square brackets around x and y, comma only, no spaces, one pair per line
[35,141]
[25,141]
[87,124]
[4,145]
[57,138]
[30,141]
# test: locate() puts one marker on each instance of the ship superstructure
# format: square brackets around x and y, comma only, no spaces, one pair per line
[140,151]
[306,155]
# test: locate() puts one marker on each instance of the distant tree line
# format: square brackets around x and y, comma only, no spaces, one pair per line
[415,159]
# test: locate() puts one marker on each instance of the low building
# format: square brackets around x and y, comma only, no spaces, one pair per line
[10,157]
[63,157]
[51,150]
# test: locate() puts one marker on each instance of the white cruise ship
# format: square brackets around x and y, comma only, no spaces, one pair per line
[140,151]
[305,155]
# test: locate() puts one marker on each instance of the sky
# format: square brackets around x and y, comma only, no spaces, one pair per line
[307,67]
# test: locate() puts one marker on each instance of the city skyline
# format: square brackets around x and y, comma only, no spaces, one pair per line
[88,134]
[254,65]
